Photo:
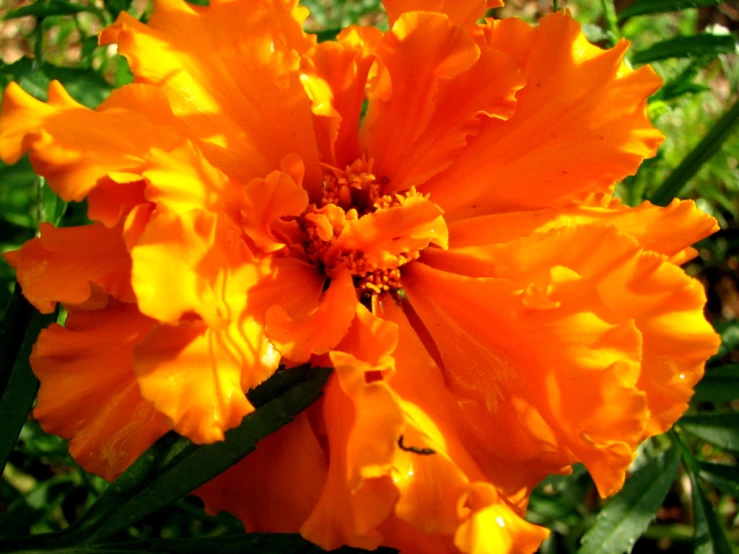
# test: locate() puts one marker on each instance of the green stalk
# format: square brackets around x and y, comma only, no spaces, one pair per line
[609,13]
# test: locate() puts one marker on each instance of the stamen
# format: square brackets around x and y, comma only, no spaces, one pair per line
[348,195]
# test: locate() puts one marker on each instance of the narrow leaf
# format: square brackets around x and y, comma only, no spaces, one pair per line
[710,537]
[21,388]
[174,467]
[642,7]
[12,330]
[627,515]
[721,429]
[729,331]
[51,204]
[683,83]
[686,47]
[47,8]
[720,384]
[703,151]
[722,476]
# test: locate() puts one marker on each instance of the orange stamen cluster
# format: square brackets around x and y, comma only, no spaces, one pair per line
[348,195]
[354,186]
[385,279]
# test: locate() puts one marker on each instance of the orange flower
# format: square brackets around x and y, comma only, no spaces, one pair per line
[491,313]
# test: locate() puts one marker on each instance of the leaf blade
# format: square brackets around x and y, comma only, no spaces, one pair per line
[721,429]
[184,466]
[707,147]
[722,476]
[686,47]
[719,385]
[47,9]
[644,7]
[21,387]
[627,515]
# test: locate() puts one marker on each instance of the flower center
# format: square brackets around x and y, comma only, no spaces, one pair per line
[358,228]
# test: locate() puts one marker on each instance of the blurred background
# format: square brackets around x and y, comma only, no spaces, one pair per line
[43,490]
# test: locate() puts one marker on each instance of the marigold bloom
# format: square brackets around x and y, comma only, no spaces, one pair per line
[491,313]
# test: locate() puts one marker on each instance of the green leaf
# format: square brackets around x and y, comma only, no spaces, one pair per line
[174,467]
[627,515]
[28,75]
[721,429]
[729,331]
[720,384]
[86,86]
[47,8]
[686,47]
[723,477]
[21,387]
[52,206]
[609,14]
[643,7]
[710,537]
[707,147]
[683,84]
[13,326]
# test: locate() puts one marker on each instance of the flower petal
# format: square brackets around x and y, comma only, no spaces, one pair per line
[571,359]
[493,528]
[297,336]
[669,230]
[375,434]
[109,201]
[197,376]
[386,235]
[641,286]
[286,474]
[89,393]
[426,99]
[77,266]
[266,202]
[238,90]
[341,516]
[181,179]
[334,77]
[461,12]
[514,454]
[580,124]
[73,146]
[192,262]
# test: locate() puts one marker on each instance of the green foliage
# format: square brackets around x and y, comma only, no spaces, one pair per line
[686,47]
[48,8]
[721,429]
[719,385]
[20,385]
[709,537]
[643,7]
[707,147]
[722,476]
[626,516]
